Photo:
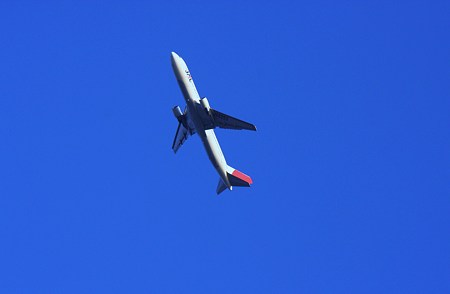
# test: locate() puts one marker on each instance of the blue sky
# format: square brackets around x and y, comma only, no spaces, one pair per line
[350,162]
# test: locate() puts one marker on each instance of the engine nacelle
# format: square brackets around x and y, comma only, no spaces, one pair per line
[177,112]
[204,102]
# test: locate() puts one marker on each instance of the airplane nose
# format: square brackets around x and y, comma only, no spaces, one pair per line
[173,56]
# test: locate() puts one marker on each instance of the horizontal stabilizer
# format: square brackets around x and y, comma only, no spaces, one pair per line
[234,178]
[225,121]
[221,187]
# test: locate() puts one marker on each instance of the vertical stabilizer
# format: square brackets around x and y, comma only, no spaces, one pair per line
[238,178]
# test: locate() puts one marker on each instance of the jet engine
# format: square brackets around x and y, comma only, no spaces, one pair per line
[204,102]
[177,112]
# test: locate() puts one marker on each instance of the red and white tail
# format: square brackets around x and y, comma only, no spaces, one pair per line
[236,178]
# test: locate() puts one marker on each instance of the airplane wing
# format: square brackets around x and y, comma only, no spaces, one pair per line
[180,137]
[225,121]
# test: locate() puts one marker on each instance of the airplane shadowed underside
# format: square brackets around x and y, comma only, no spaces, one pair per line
[199,118]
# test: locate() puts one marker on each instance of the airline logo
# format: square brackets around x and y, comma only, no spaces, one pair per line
[188,74]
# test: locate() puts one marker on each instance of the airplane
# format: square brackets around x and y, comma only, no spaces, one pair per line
[199,118]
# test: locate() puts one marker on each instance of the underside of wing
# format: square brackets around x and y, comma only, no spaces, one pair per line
[180,137]
[225,121]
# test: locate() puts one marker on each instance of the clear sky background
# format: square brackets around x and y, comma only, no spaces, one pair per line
[350,161]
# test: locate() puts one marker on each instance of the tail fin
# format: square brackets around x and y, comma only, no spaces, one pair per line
[235,178]
[238,178]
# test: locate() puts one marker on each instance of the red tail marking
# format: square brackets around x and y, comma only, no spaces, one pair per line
[242,176]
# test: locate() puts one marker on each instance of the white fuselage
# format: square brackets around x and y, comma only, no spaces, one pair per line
[196,113]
